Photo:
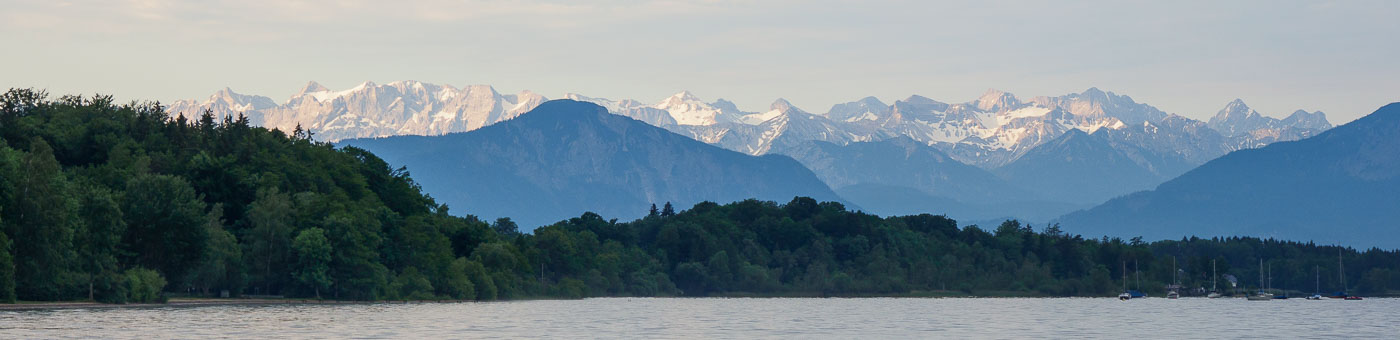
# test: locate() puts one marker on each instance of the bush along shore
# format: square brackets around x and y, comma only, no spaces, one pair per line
[124,203]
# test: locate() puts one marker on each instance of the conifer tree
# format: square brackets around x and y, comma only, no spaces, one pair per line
[668,211]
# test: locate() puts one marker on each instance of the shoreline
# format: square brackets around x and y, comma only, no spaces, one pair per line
[199,302]
[203,302]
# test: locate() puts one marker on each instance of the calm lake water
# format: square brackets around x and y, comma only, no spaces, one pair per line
[672,318]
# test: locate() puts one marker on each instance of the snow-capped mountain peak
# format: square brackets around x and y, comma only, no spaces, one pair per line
[227,99]
[611,105]
[728,111]
[1252,129]
[780,105]
[630,108]
[1235,109]
[1094,92]
[1236,118]
[311,86]
[687,109]
[778,108]
[1094,103]
[679,99]
[996,100]
[868,109]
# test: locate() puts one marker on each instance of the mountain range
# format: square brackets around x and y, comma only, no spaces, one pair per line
[371,110]
[990,131]
[1038,157]
[1338,186]
[567,157]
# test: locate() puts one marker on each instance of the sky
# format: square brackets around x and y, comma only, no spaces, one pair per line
[1184,57]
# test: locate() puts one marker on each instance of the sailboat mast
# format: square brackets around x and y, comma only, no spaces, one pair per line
[1341,271]
[1212,275]
[1173,270]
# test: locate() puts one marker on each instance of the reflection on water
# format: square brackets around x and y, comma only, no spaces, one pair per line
[733,318]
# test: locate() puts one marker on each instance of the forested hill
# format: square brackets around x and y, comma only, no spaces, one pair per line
[120,202]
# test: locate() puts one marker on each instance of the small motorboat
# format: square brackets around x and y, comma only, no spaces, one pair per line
[1173,295]
[1125,296]
[1315,297]
[1214,295]
[1352,297]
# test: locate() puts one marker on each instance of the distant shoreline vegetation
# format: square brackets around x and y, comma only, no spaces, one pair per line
[123,203]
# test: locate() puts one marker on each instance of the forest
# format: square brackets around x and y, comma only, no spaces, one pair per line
[121,203]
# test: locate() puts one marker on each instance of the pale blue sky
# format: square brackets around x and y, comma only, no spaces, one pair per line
[1189,58]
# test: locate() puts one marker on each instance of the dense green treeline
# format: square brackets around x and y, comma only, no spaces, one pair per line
[119,203]
[114,202]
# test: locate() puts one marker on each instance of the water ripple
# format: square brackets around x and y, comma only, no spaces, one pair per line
[680,318]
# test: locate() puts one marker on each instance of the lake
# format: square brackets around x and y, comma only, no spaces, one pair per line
[706,318]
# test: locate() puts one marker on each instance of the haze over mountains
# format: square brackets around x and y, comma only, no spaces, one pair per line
[567,157]
[901,176]
[996,156]
[1339,186]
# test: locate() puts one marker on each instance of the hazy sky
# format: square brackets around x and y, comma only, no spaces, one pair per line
[1189,58]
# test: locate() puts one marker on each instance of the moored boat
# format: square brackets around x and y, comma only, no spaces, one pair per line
[1261,295]
[1341,274]
[1214,294]
[1317,284]
[1172,290]
[1126,295]
[1129,294]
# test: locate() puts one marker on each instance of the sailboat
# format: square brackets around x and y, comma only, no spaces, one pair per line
[1173,294]
[1125,295]
[1317,284]
[1261,295]
[1136,293]
[1283,296]
[1214,294]
[1341,274]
